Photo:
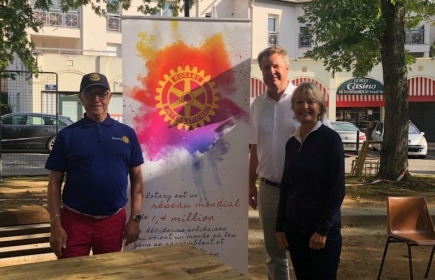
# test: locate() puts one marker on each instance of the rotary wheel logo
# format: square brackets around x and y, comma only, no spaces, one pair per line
[187,98]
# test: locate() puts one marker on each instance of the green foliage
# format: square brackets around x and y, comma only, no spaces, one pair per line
[356,35]
[346,35]
[16,17]
[432,50]
[176,6]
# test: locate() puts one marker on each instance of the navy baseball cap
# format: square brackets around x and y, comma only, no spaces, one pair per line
[93,79]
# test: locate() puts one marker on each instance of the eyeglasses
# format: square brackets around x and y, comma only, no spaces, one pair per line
[90,95]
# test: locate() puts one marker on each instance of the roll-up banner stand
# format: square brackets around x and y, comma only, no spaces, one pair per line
[186,94]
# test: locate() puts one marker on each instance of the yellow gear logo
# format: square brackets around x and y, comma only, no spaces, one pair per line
[187,98]
[94,77]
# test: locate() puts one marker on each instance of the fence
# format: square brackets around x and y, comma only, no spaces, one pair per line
[29,107]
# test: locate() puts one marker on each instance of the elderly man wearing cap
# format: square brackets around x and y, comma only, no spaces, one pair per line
[97,154]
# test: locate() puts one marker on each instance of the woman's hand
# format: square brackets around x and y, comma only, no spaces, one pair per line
[317,241]
[282,241]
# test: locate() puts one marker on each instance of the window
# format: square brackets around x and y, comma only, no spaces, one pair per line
[35,120]
[113,49]
[272,33]
[359,116]
[54,121]
[8,120]
[304,38]
[166,11]
[113,21]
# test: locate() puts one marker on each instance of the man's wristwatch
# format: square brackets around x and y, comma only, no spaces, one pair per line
[136,217]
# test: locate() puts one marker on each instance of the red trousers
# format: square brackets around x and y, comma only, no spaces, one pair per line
[86,233]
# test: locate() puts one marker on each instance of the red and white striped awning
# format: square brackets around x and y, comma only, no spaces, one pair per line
[421,89]
[257,87]
[322,88]
[360,100]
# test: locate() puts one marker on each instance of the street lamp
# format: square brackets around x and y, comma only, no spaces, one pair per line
[186,8]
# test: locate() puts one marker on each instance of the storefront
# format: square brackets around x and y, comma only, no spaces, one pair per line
[422,105]
[359,101]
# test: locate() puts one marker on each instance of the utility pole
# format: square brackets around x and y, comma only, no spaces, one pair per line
[186,8]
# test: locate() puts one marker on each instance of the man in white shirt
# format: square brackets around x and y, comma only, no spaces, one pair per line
[272,123]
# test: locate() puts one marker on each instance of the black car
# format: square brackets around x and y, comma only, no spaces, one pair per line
[31,131]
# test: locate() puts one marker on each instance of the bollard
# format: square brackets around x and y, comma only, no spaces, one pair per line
[357,143]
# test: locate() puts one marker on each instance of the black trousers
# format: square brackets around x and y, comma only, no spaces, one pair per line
[314,264]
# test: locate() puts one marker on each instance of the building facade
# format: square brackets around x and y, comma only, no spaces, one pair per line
[80,42]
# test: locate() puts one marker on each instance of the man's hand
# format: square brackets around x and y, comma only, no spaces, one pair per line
[131,231]
[317,241]
[282,241]
[58,238]
[253,196]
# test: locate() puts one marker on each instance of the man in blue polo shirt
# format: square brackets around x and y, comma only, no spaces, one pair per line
[97,154]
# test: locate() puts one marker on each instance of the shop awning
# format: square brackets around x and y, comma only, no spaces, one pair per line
[421,89]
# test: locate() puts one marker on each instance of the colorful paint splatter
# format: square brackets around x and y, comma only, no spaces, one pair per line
[186,97]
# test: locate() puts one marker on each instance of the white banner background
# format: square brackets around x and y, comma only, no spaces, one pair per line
[186,93]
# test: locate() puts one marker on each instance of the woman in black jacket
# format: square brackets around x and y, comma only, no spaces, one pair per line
[312,190]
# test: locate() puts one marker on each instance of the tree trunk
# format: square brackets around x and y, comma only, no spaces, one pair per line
[394,153]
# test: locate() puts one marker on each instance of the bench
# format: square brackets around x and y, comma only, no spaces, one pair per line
[24,232]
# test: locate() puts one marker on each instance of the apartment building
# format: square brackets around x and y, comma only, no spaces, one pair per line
[74,43]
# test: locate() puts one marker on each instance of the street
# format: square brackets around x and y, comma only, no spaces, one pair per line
[416,166]
[25,164]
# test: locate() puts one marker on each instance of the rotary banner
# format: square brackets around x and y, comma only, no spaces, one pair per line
[186,94]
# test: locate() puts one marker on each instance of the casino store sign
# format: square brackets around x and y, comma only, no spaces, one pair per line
[364,86]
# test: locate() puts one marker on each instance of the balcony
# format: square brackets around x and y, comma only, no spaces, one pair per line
[81,52]
[415,36]
[415,42]
[113,23]
[304,41]
[57,18]
[273,38]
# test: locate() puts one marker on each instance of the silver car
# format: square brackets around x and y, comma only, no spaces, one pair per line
[348,133]
[417,144]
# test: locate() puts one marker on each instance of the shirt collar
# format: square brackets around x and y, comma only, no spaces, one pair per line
[88,122]
[297,133]
[288,91]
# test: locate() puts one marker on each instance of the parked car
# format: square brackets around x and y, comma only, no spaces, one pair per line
[417,144]
[31,131]
[348,133]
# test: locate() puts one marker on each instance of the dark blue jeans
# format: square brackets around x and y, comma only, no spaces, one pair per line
[314,264]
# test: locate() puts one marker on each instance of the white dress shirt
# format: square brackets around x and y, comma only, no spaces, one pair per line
[271,124]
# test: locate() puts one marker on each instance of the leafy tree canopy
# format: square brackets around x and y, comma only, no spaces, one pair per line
[356,35]
[346,35]
[16,17]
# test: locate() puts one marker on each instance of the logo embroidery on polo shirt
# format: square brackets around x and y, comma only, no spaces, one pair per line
[123,139]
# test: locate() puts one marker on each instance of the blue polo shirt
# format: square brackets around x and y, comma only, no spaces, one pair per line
[96,158]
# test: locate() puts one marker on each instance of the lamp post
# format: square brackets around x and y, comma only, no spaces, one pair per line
[186,8]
